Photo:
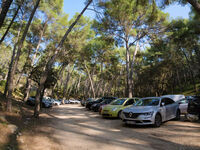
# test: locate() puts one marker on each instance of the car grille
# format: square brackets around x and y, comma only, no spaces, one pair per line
[131,115]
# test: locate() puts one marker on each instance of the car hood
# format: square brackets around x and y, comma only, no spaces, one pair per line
[140,109]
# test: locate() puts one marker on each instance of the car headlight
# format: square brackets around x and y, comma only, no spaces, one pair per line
[114,109]
[148,113]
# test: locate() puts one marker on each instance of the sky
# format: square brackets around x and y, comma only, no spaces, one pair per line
[73,6]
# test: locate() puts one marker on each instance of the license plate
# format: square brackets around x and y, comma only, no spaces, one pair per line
[130,122]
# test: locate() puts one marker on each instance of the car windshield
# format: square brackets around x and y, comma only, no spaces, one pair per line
[98,100]
[148,102]
[107,101]
[118,102]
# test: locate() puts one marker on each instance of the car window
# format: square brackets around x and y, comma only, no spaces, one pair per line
[130,102]
[107,101]
[167,101]
[183,101]
[148,102]
[118,102]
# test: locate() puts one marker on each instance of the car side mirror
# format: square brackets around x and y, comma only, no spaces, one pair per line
[162,104]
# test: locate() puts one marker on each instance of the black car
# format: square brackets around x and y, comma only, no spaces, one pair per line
[45,103]
[84,102]
[95,107]
[194,106]
[89,104]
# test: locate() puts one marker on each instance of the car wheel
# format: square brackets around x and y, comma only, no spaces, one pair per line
[178,115]
[158,120]
[119,114]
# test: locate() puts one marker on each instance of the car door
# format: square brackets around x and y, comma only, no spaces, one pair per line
[183,105]
[171,108]
[163,110]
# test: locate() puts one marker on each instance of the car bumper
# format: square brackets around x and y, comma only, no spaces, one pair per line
[109,114]
[140,120]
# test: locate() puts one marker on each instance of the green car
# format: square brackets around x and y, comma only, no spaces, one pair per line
[114,109]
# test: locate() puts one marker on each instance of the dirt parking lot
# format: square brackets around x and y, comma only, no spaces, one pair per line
[72,127]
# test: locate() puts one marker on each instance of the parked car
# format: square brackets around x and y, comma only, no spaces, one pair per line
[114,109]
[151,110]
[66,101]
[90,103]
[193,110]
[99,100]
[175,97]
[53,101]
[73,101]
[45,103]
[183,105]
[31,101]
[83,102]
[95,107]
[88,100]
[56,102]
[181,100]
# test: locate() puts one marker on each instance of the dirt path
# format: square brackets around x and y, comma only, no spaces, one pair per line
[72,127]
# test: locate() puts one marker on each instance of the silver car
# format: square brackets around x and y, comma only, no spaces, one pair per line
[151,110]
[183,105]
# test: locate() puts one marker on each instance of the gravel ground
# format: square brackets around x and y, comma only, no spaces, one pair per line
[72,127]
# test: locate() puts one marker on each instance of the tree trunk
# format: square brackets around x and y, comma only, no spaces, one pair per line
[52,60]
[28,89]
[78,85]
[132,64]
[20,45]
[195,4]
[66,83]
[8,78]
[128,80]
[3,37]
[91,82]
[5,7]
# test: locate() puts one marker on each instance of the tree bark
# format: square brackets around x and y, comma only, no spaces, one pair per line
[132,64]
[91,82]
[52,60]
[5,7]
[8,78]
[128,80]
[66,83]
[195,4]
[28,89]
[3,37]
[20,45]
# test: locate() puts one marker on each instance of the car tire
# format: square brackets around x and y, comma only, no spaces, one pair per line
[178,115]
[158,120]
[119,114]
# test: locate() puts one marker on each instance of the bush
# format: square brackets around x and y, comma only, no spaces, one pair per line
[3,83]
